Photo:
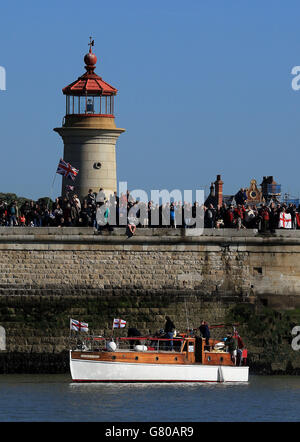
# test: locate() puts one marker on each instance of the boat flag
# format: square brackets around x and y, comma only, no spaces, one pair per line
[66,170]
[78,326]
[119,323]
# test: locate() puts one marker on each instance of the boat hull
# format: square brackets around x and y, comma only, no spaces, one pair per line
[84,370]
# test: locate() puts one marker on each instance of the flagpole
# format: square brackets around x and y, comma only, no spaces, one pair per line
[51,191]
[70,335]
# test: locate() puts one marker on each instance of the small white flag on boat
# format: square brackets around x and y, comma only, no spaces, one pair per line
[119,323]
[78,326]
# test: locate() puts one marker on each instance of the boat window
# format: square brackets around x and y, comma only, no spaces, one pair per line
[176,358]
[136,358]
[157,358]
[221,359]
[208,358]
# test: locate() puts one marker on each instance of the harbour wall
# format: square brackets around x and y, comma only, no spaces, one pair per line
[49,275]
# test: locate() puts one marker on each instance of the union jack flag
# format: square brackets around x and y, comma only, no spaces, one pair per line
[119,323]
[78,326]
[66,170]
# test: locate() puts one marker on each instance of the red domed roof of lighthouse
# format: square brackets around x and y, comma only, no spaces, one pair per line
[89,83]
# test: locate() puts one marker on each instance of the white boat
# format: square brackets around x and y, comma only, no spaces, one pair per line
[192,361]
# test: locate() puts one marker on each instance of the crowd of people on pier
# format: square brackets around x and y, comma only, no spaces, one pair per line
[70,211]
[266,217]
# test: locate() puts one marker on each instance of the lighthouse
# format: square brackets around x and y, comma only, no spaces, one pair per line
[89,131]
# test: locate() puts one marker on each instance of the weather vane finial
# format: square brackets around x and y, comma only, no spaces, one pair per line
[91,43]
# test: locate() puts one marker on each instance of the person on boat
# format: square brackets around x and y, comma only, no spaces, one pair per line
[231,344]
[204,330]
[155,343]
[240,347]
[133,332]
[169,330]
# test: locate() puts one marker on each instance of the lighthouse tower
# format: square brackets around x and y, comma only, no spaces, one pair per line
[89,131]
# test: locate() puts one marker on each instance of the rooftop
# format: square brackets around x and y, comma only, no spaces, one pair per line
[90,83]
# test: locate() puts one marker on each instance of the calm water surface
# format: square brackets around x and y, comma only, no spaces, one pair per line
[54,398]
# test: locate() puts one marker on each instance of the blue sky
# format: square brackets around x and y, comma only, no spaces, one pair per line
[204,89]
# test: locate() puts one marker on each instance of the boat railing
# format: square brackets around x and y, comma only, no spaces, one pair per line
[136,343]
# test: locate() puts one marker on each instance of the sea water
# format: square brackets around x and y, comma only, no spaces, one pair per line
[55,398]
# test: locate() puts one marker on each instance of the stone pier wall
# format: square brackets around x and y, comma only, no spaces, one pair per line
[48,275]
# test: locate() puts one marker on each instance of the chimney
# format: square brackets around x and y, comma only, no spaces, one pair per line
[219,190]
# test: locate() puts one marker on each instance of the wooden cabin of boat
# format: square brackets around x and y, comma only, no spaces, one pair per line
[187,350]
